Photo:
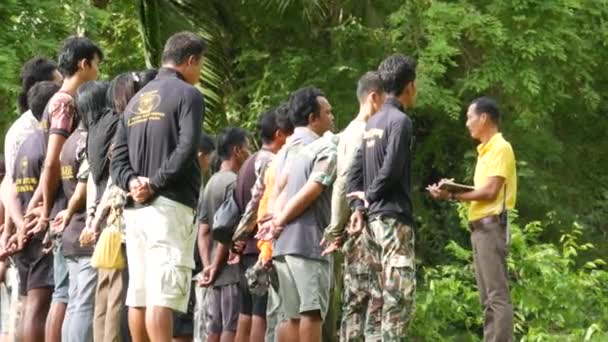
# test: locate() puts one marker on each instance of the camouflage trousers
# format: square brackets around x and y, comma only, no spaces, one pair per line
[379,282]
[200,321]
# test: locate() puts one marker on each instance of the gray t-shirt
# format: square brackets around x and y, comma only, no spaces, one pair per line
[213,197]
[317,162]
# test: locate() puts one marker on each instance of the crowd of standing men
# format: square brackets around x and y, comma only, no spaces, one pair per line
[249,257]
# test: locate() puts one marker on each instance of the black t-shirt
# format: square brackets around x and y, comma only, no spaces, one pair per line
[383,165]
[245,181]
[72,157]
[242,194]
[27,170]
[158,138]
[28,167]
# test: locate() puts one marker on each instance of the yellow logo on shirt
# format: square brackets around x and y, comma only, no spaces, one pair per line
[25,184]
[23,165]
[67,172]
[144,108]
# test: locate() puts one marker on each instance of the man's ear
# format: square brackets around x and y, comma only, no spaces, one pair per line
[83,63]
[311,118]
[484,118]
[375,96]
[192,60]
[409,88]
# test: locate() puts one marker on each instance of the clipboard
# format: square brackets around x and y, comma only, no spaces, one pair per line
[454,187]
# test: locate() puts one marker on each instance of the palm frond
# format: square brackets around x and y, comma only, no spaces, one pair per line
[161,18]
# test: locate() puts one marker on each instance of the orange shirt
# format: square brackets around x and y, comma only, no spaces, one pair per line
[269,179]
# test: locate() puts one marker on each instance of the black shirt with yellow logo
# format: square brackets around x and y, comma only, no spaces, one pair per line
[28,167]
[382,166]
[72,158]
[158,138]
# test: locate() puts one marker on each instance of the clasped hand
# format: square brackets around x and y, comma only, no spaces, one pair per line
[140,189]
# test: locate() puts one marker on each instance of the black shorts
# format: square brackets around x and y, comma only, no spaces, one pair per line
[251,305]
[183,323]
[35,268]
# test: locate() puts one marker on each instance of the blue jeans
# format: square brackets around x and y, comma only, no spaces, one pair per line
[78,323]
[60,275]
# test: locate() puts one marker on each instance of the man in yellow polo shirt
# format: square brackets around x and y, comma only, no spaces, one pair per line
[495,193]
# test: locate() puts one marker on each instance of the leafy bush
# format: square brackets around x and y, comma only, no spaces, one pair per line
[555,298]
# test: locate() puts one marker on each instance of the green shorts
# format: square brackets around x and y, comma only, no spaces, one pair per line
[303,285]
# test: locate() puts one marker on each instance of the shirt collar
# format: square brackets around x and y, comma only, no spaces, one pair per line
[168,73]
[29,115]
[331,136]
[304,130]
[392,101]
[483,148]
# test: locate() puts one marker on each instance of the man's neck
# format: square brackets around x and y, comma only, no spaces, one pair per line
[488,134]
[272,147]
[170,66]
[402,100]
[176,68]
[229,165]
[365,112]
[71,84]
[312,130]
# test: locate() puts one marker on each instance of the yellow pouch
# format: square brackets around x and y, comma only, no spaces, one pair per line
[108,251]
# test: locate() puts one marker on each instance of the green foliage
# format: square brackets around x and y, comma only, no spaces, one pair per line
[36,28]
[555,297]
[543,61]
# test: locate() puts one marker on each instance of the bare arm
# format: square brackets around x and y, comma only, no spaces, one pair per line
[277,196]
[204,244]
[11,202]
[79,198]
[51,173]
[36,199]
[299,203]
[486,193]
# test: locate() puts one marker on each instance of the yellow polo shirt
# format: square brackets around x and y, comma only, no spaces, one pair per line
[495,158]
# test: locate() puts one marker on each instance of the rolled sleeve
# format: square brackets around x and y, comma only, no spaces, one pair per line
[61,114]
[324,170]
[83,171]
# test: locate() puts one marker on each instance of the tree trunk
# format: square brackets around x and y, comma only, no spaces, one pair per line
[149,22]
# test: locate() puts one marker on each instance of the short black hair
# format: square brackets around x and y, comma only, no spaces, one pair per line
[396,71]
[144,77]
[120,91]
[73,50]
[35,70]
[488,105]
[39,95]
[2,167]
[215,162]
[206,145]
[91,100]
[302,103]
[283,121]
[182,45]
[267,126]
[367,84]
[228,138]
